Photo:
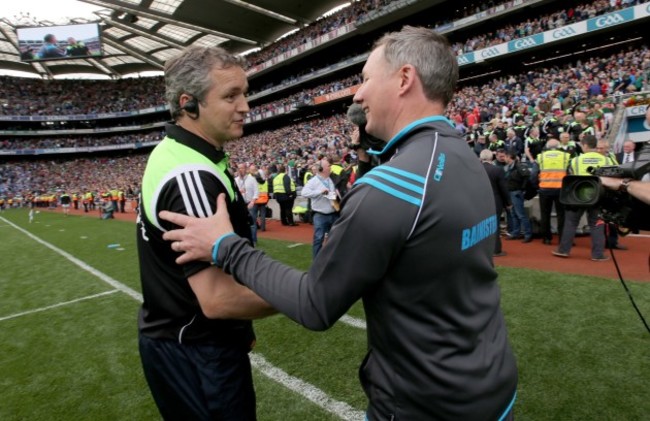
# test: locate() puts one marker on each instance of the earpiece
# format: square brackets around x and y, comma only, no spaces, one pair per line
[320,168]
[192,106]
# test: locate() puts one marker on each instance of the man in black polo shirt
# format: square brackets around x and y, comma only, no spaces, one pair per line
[197,368]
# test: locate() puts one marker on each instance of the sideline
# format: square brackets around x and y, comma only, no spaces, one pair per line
[306,390]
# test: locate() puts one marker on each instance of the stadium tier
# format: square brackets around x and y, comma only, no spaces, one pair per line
[301,85]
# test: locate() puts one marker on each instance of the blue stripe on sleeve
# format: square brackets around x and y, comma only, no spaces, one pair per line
[403,173]
[399,182]
[393,192]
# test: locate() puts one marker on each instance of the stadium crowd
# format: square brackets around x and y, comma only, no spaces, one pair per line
[66,97]
[81,175]
[554,90]
[22,96]
[88,141]
[318,28]
[542,23]
[531,26]
[306,96]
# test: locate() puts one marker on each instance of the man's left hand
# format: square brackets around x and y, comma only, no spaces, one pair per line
[198,235]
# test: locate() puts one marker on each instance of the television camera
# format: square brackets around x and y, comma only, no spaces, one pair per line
[628,213]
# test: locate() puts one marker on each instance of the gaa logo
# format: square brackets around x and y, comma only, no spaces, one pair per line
[563,33]
[520,44]
[462,60]
[490,52]
[609,20]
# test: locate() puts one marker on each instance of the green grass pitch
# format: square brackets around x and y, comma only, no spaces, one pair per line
[68,337]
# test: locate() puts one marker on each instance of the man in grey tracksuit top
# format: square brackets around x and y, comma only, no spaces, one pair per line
[414,242]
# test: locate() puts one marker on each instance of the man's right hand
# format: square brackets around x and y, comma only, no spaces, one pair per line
[198,234]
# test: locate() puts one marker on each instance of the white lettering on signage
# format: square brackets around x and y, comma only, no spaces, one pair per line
[524,43]
[609,20]
[489,52]
[563,33]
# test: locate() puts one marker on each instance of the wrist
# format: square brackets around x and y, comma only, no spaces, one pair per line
[625,184]
[215,247]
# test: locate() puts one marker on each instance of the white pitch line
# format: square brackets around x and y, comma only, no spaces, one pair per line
[310,392]
[38,310]
[353,321]
[83,265]
[304,389]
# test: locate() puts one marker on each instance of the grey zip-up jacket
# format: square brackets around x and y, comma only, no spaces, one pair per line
[414,242]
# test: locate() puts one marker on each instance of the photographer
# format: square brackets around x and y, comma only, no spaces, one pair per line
[322,194]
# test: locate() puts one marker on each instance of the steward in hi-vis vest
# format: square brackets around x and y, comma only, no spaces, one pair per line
[553,164]
[284,191]
[263,197]
[580,165]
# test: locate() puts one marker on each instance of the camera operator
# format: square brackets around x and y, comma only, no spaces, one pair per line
[582,165]
[611,231]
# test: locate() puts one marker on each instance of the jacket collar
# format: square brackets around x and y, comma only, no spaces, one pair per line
[192,141]
[402,133]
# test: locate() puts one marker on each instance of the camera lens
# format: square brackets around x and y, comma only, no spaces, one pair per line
[585,191]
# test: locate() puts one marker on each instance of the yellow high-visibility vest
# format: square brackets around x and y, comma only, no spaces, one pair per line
[581,164]
[552,168]
[278,184]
